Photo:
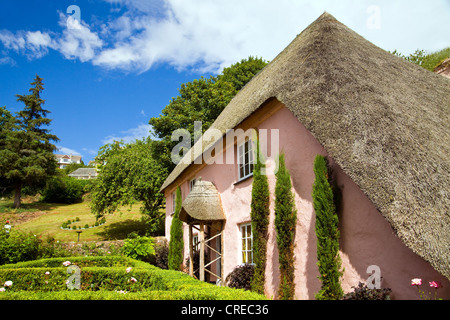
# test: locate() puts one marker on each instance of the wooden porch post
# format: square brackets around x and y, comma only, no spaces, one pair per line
[191,252]
[202,252]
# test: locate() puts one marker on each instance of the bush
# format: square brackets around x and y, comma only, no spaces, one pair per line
[176,244]
[137,247]
[162,255]
[362,292]
[241,276]
[18,246]
[63,190]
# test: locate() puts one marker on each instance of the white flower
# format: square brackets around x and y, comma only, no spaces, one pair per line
[8,283]
[47,272]
[133,279]
[2,289]
[66,263]
[129,269]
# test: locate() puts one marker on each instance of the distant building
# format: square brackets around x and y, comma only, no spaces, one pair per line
[443,68]
[84,173]
[65,159]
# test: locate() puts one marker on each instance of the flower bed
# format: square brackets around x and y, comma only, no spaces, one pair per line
[102,278]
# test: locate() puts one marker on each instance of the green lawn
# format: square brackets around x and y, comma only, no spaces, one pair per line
[44,219]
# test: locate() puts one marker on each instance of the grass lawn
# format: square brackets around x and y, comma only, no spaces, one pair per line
[46,218]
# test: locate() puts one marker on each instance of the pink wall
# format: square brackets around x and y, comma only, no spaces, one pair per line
[366,237]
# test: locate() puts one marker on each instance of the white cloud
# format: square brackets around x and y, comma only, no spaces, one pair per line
[209,35]
[64,150]
[130,135]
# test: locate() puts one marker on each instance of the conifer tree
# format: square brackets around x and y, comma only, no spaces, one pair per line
[176,243]
[327,233]
[285,225]
[27,150]
[260,221]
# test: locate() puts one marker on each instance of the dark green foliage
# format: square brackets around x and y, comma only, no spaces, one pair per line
[26,151]
[62,189]
[285,224]
[260,222]
[162,255]
[362,292]
[327,233]
[241,276]
[176,243]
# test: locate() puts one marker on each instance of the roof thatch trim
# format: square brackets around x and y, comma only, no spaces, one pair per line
[384,121]
[202,204]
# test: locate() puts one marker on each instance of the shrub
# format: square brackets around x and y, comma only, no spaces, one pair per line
[137,247]
[162,255]
[362,292]
[285,224]
[260,222]
[60,189]
[18,246]
[240,277]
[176,244]
[327,232]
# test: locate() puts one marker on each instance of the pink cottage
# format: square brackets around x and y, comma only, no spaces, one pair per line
[382,122]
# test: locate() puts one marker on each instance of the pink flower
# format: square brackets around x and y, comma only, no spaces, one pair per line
[435,284]
[47,272]
[416,282]
[129,269]
[8,283]
[133,279]
[66,263]
[2,289]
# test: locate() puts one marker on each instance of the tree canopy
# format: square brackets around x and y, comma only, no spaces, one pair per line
[26,148]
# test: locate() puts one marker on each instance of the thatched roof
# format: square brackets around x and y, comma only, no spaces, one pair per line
[384,121]
[202,204]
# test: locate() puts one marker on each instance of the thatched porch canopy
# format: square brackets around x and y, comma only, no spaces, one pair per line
[202,204]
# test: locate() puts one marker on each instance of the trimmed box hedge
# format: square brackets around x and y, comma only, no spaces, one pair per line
[106,278]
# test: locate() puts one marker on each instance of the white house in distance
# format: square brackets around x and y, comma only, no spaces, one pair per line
[65,159]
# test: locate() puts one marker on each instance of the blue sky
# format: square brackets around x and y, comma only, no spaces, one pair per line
[113,64]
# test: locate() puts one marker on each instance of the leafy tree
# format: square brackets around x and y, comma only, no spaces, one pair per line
[129,175]
[327,232]
[260,222]
[428,61]
[199,100]
[285,224]
[26,154]
[176,243]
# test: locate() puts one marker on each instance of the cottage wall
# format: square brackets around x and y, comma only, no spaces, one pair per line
[366,237]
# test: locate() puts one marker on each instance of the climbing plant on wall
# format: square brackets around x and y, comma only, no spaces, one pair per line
[260,221]
[327,232]
[176,243]
[285,225]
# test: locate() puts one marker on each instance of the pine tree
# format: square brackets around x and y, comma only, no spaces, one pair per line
[327,233]
[285,225]
[27,149]
[176,243]
[260,221]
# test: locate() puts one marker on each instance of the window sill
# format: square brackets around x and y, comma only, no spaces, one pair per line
[243,179]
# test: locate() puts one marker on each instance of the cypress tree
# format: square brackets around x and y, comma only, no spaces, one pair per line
[327,233]
[260,222]
[285,224]
[176,243]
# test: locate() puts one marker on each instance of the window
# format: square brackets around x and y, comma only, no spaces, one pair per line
[247,243]
[191,185]
[245,159]
[174,196]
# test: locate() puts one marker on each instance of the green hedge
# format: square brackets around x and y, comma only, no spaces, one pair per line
[103,277]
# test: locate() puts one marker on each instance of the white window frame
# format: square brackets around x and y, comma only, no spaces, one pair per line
[245,159]
[191,184]
[174,197]
[245,252]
